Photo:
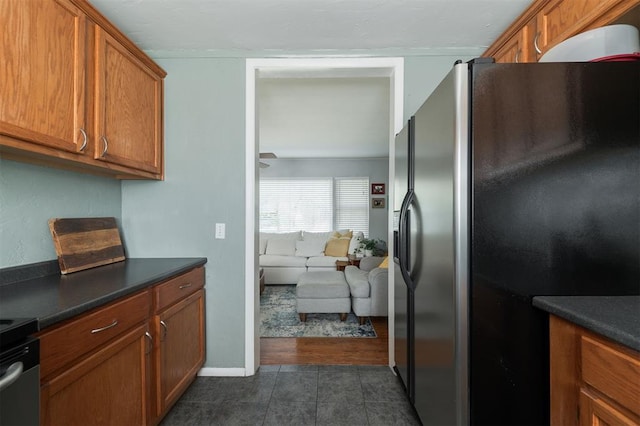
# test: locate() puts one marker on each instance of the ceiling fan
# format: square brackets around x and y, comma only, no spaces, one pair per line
[265,155]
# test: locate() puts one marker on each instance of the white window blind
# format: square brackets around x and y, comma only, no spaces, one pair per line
[288,205]
[352,204]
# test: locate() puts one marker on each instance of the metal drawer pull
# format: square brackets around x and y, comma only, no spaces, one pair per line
[98,330]
[185,286]
[164,331]
[84,139]
[106,146]
[148,335]
[12,374]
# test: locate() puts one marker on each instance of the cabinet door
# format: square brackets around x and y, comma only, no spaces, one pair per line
[181,350]
[519,48]
[42,77]
[128,108]
[109,387]
[596,412]
[561,19]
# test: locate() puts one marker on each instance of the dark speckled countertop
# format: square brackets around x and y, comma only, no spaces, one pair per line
[615,317]
[54,297]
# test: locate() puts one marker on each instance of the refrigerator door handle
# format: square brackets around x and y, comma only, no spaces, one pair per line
[403,239]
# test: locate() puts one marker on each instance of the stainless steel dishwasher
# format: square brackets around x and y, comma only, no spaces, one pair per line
[19,373]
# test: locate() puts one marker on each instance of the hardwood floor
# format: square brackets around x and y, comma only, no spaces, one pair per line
[328,350]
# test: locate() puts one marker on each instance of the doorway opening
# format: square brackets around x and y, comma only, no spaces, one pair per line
[390,68]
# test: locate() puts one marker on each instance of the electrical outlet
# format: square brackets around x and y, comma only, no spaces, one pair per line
[220,231]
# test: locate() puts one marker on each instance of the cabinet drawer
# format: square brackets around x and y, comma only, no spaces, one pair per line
[63,344]
[612,372]
[177,288]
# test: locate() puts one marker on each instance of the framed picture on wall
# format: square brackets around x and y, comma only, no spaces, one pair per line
[377,203]
[377,188]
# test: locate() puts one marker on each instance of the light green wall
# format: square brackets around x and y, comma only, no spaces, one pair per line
[31,195]
[205,184]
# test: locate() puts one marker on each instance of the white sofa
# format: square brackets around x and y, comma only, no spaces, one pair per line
[283,257]
[369,287]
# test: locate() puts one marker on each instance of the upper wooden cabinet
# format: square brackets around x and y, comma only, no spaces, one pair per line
[519,47]
[42,77]
[76,93]
[128,107]
[548,22]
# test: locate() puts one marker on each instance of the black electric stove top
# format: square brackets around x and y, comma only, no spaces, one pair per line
[15,330]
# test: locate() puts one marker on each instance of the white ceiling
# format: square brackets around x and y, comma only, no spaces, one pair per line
[322,117]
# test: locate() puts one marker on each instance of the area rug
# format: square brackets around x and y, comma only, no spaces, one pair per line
[278,318]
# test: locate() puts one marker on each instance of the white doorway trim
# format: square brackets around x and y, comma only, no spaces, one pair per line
[391,67]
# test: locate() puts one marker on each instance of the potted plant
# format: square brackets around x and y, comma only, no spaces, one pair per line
[368,245]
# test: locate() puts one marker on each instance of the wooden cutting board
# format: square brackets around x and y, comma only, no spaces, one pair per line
[85,243]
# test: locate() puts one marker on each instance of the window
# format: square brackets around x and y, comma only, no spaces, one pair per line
[288,205]
[352,204]
[314,204]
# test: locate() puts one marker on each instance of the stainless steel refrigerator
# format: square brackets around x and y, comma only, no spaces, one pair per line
[512,181]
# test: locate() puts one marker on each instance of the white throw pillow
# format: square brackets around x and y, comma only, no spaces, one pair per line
[315,236]
[263,246]
[355,241]
[282,247]
[265,236]
[296,235]
[310,248]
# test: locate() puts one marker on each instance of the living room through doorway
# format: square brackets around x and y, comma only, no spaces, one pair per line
[318,350]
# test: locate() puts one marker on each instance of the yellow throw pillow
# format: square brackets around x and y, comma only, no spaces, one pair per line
[337,247]
[337,234]
[385,263]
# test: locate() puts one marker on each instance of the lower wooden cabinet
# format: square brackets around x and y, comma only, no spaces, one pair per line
[128,362]
[594,381]
[179,327]
[110,387]
[180,351]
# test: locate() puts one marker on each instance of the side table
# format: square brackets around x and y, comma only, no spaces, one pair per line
[341,264]
[353,260]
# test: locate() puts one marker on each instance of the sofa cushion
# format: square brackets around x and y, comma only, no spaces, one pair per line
[338,247]
[324,261]
[266,236]
[308,248]
[358,281]
[283,247]
[282,261]
[370,262]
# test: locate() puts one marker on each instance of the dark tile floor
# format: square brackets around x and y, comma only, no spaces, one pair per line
[296,395]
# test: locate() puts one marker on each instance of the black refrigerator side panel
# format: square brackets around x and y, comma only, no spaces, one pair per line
[556,211]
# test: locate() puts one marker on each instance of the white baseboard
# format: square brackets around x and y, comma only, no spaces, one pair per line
[222,372]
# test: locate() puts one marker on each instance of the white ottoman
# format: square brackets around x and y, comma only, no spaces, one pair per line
[323,292]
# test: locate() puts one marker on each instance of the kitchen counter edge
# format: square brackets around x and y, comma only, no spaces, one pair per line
[102,285]
[614,317]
